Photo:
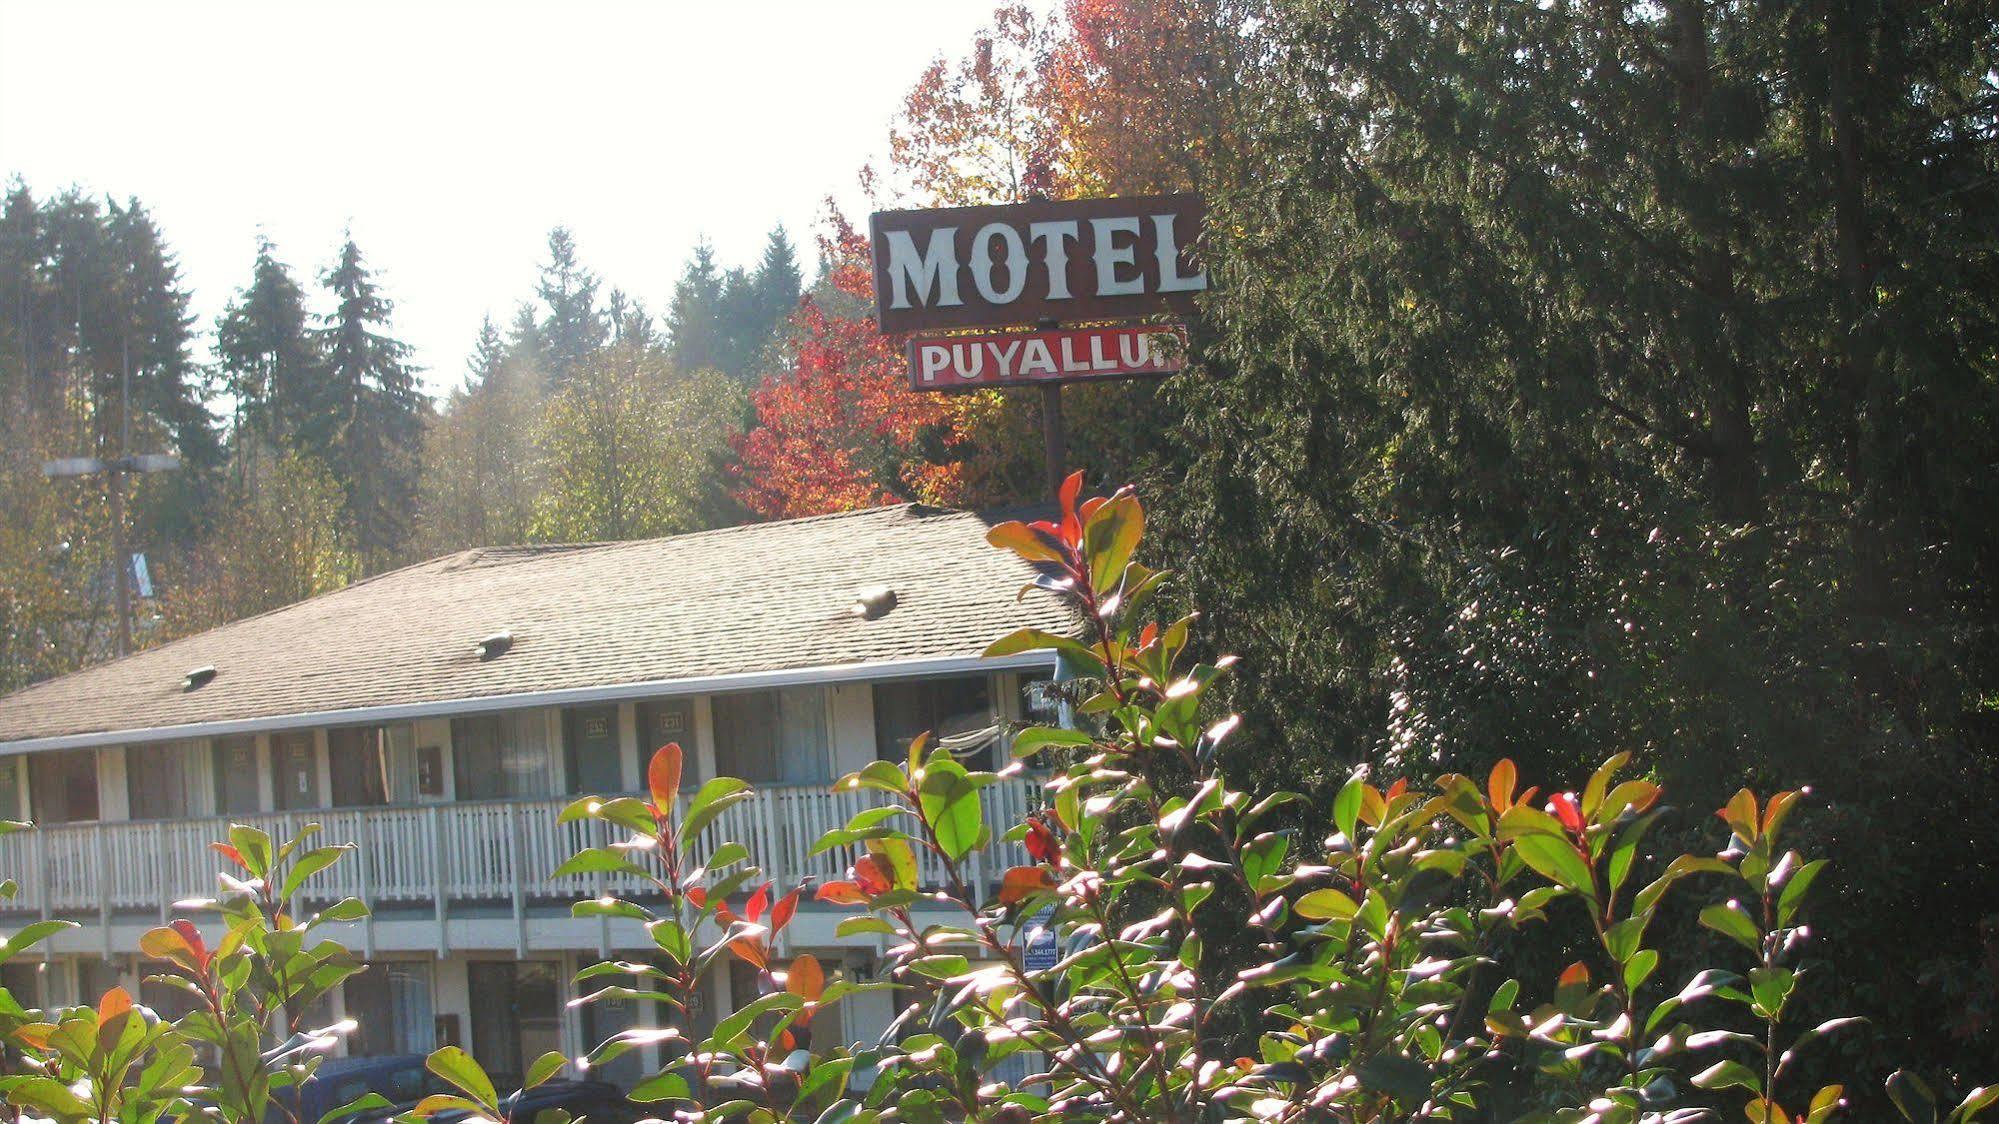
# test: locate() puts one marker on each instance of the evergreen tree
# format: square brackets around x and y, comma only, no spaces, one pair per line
[573,328]
[695,338]
[740,323]
[269,365]
[778,282]
[1601,377]
[527,348]
[488,363]
[376,407]
[630,322]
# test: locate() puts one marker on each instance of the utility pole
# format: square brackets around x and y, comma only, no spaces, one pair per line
[117,469]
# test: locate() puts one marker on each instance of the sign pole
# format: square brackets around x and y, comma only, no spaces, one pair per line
[1054,442]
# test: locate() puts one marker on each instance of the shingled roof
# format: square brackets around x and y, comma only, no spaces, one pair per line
[703,611]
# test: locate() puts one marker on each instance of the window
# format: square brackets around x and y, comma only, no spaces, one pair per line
[62,786]
[772,737]
[372,765]
[496,756]
[391,1002]
[1040,700]
[957,712]
[168,782]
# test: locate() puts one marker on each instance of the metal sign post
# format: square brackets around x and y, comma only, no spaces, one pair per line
[117,469]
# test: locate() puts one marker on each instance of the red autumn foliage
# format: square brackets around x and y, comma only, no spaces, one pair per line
[842,430]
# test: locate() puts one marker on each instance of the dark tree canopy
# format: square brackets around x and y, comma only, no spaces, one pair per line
[1588,378]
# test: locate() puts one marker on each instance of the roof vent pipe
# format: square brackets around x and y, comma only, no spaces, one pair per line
[198,677]
[873,603]
[494,646]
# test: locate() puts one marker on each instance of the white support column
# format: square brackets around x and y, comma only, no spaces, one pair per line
[851,726]
[324,760]
[631,755]
[704,738]
[558,749]
[113,798]
[267,795]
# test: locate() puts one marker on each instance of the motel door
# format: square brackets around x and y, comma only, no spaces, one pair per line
[294,771]
[595,764]
[516,1015]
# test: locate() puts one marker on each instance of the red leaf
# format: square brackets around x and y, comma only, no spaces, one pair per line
[870,876]
[192,936]
[805,978]
[1562,806]
[758,902]
[1499,785]
[230,853]
[751,950]
[781,913]
[1022,882]
[1041,842]
[116,1002]
[842,893]
[663,777]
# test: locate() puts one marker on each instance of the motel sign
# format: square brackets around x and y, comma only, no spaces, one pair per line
[1029,263]
[998,359]
[1062,275]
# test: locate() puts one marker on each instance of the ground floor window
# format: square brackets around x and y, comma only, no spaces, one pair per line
[390,1001]
[62,786]
[516,1015]
[957,712]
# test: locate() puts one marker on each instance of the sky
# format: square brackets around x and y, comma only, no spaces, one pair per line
[450,137]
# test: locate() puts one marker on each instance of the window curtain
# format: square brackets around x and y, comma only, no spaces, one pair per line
[499,756]
[169,782]
[372,765]
[772,737]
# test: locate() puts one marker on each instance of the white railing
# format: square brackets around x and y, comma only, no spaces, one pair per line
[411,855]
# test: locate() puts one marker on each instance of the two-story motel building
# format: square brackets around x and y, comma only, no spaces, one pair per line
[441,715]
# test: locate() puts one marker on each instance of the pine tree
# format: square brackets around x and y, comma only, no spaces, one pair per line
[631,324]
[693,320]
[376,408]
[269,365]
[527,348]
[488,362]
[573,328]
[778,282]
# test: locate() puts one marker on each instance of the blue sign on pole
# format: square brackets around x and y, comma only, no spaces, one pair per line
[1039,950]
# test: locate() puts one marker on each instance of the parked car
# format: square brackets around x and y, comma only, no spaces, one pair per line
[600,1101]
[401,1079]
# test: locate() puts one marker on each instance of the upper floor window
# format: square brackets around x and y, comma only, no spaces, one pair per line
[772,737]
[958,712]
[495,756]
[168,782]
[62,786]
[372,765]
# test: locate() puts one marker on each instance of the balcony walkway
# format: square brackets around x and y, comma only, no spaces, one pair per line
[412,856]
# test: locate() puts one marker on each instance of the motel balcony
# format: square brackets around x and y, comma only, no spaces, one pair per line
[480,862]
